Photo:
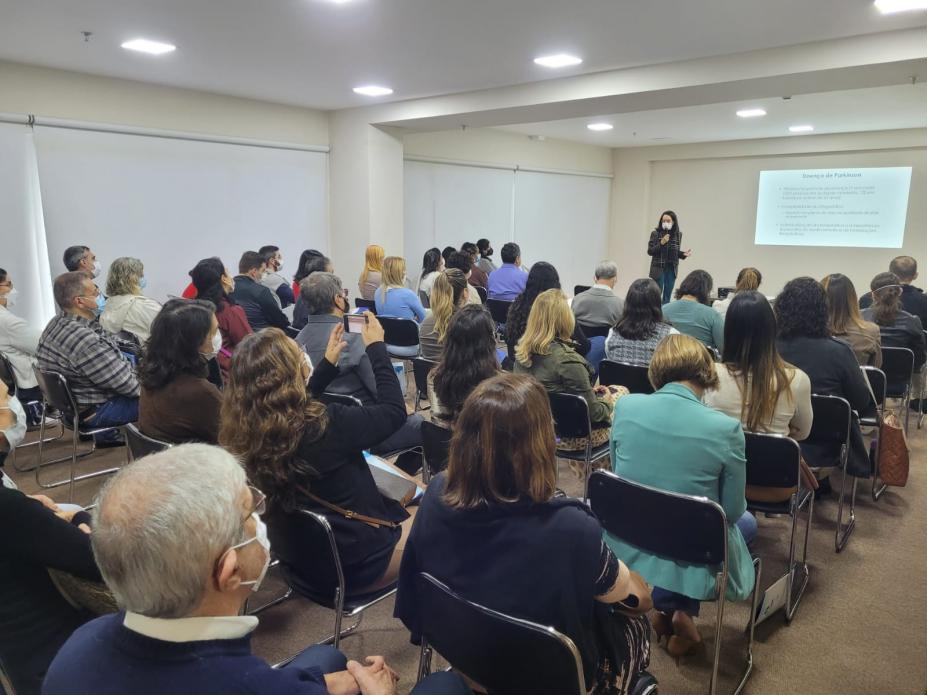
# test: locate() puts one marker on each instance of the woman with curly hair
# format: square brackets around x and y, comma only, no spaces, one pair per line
[805,341]
[306,455]
[127,309]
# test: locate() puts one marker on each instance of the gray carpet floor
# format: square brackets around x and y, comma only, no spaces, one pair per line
[859,630]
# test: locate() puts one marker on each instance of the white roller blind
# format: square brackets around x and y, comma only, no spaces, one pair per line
[22,229]
[171,202]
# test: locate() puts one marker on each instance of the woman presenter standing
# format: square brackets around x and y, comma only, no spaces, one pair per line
[664,249]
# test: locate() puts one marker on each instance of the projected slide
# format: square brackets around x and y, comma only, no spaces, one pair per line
[833,207]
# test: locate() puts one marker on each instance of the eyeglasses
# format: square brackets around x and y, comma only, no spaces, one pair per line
[258,501]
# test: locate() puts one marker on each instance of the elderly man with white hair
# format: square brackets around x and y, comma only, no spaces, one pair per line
[179,540]
[599,306]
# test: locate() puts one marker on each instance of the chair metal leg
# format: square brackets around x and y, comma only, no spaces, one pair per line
[878,487]
[907,408]
[38,443]
[842,534]
[721,583]
[751,627]
[587,470]
[792,600]
[424,661]
[269,604]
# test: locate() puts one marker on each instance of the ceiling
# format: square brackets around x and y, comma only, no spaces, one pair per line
[878,108]
[312,52]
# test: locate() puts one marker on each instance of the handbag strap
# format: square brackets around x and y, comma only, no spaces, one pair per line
[348,514]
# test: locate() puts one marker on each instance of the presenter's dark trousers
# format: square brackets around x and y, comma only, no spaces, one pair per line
[666,282]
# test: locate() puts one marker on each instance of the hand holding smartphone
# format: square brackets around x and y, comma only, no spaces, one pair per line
[354,323]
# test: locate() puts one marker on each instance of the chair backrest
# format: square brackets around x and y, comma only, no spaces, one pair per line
[436,444]
[594,331]
[399,332]
[340,398]
[832,417]
[499,309]
[327,568]
[898,365]
[366,304]
[421,368]
[677,527]
[481,291]
[632,376]
[6,374]
[571,415]
[57,393]
[424,299]
[141,444]
[773,460]
[579,289]
[502,653]
[878,382]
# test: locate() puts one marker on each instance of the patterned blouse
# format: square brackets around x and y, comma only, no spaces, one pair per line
[620,349]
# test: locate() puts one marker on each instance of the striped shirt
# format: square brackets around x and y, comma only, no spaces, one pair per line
[87,356]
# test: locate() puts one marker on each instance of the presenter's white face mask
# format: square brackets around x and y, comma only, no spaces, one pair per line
[667,226]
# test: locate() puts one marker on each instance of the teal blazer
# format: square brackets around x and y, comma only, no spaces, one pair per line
[672,441]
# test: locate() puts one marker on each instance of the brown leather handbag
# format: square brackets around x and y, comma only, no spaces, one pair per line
[894,454]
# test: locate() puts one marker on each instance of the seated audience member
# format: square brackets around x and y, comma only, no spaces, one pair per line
[846,322]
[75,345]
[448,295]
[496,500]
[805,341]
[447,252]
[260,304]
[432,265]
[748,280]
[272,279]
[599,305]
[393,298]
[316,264]
[461,262]
[178,403]
[542,277]
[302,270]
[756,386]
[469,358]
[700,454]
[913,299]
[306,455]
[372,276]
[179,539]
[486,251]
[12,423]
[18,342]
[641,326]
[327,305]
[35,619]
[127,309]
[508,281]
[214,284]
[690,313]
[546,352]
[477,277]
[82,258]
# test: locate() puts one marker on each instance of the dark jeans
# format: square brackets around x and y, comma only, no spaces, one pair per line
[666,282]
[406,437]
[117,411]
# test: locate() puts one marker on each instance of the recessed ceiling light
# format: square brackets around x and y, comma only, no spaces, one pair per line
[559,60]
[892,6]
[801,129]
[751,113]
[154,48]
[600,126]
[372,90]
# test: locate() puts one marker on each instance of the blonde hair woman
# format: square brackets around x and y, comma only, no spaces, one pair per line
[748,280]
[370,278]
[448,294]
[127,309]
[393,298]
[547,353]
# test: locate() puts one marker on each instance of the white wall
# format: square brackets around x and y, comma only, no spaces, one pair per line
[713,188]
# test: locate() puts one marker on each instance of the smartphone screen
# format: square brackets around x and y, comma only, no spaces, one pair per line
[354,323]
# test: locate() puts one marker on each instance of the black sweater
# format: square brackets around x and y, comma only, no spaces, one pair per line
[338,473]
[35,620]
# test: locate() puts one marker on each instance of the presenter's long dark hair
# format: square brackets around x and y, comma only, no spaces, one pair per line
[675,229]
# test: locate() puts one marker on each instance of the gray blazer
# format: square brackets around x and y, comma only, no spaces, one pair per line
[355,373]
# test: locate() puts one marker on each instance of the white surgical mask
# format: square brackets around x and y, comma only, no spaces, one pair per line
[308,361]
[97,268]
[142,283]
[260,535]
[279,264]
[216,346]
[11,297]
[667,226]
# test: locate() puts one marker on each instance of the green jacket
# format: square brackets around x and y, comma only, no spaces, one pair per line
[565,371]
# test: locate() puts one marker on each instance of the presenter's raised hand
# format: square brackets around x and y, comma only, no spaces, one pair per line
[687,253]
[664,239]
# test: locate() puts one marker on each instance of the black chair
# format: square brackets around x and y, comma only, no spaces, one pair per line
[830,434]
[436,443]
[502,653]
[499,310]
[571,419]
[898,365]
[141,444]
[58,395]
[579,289]
[424,299]
[398,334]
[594,331]
[686,529]
[878,384]
[481,291]
[632,376]
[421,369]
[366,305]
[775,461]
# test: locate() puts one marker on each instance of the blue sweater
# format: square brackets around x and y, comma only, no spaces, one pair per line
[400,302]
[105,658]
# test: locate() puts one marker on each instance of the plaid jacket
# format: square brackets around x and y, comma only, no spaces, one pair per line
[87,356]
[663,254]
